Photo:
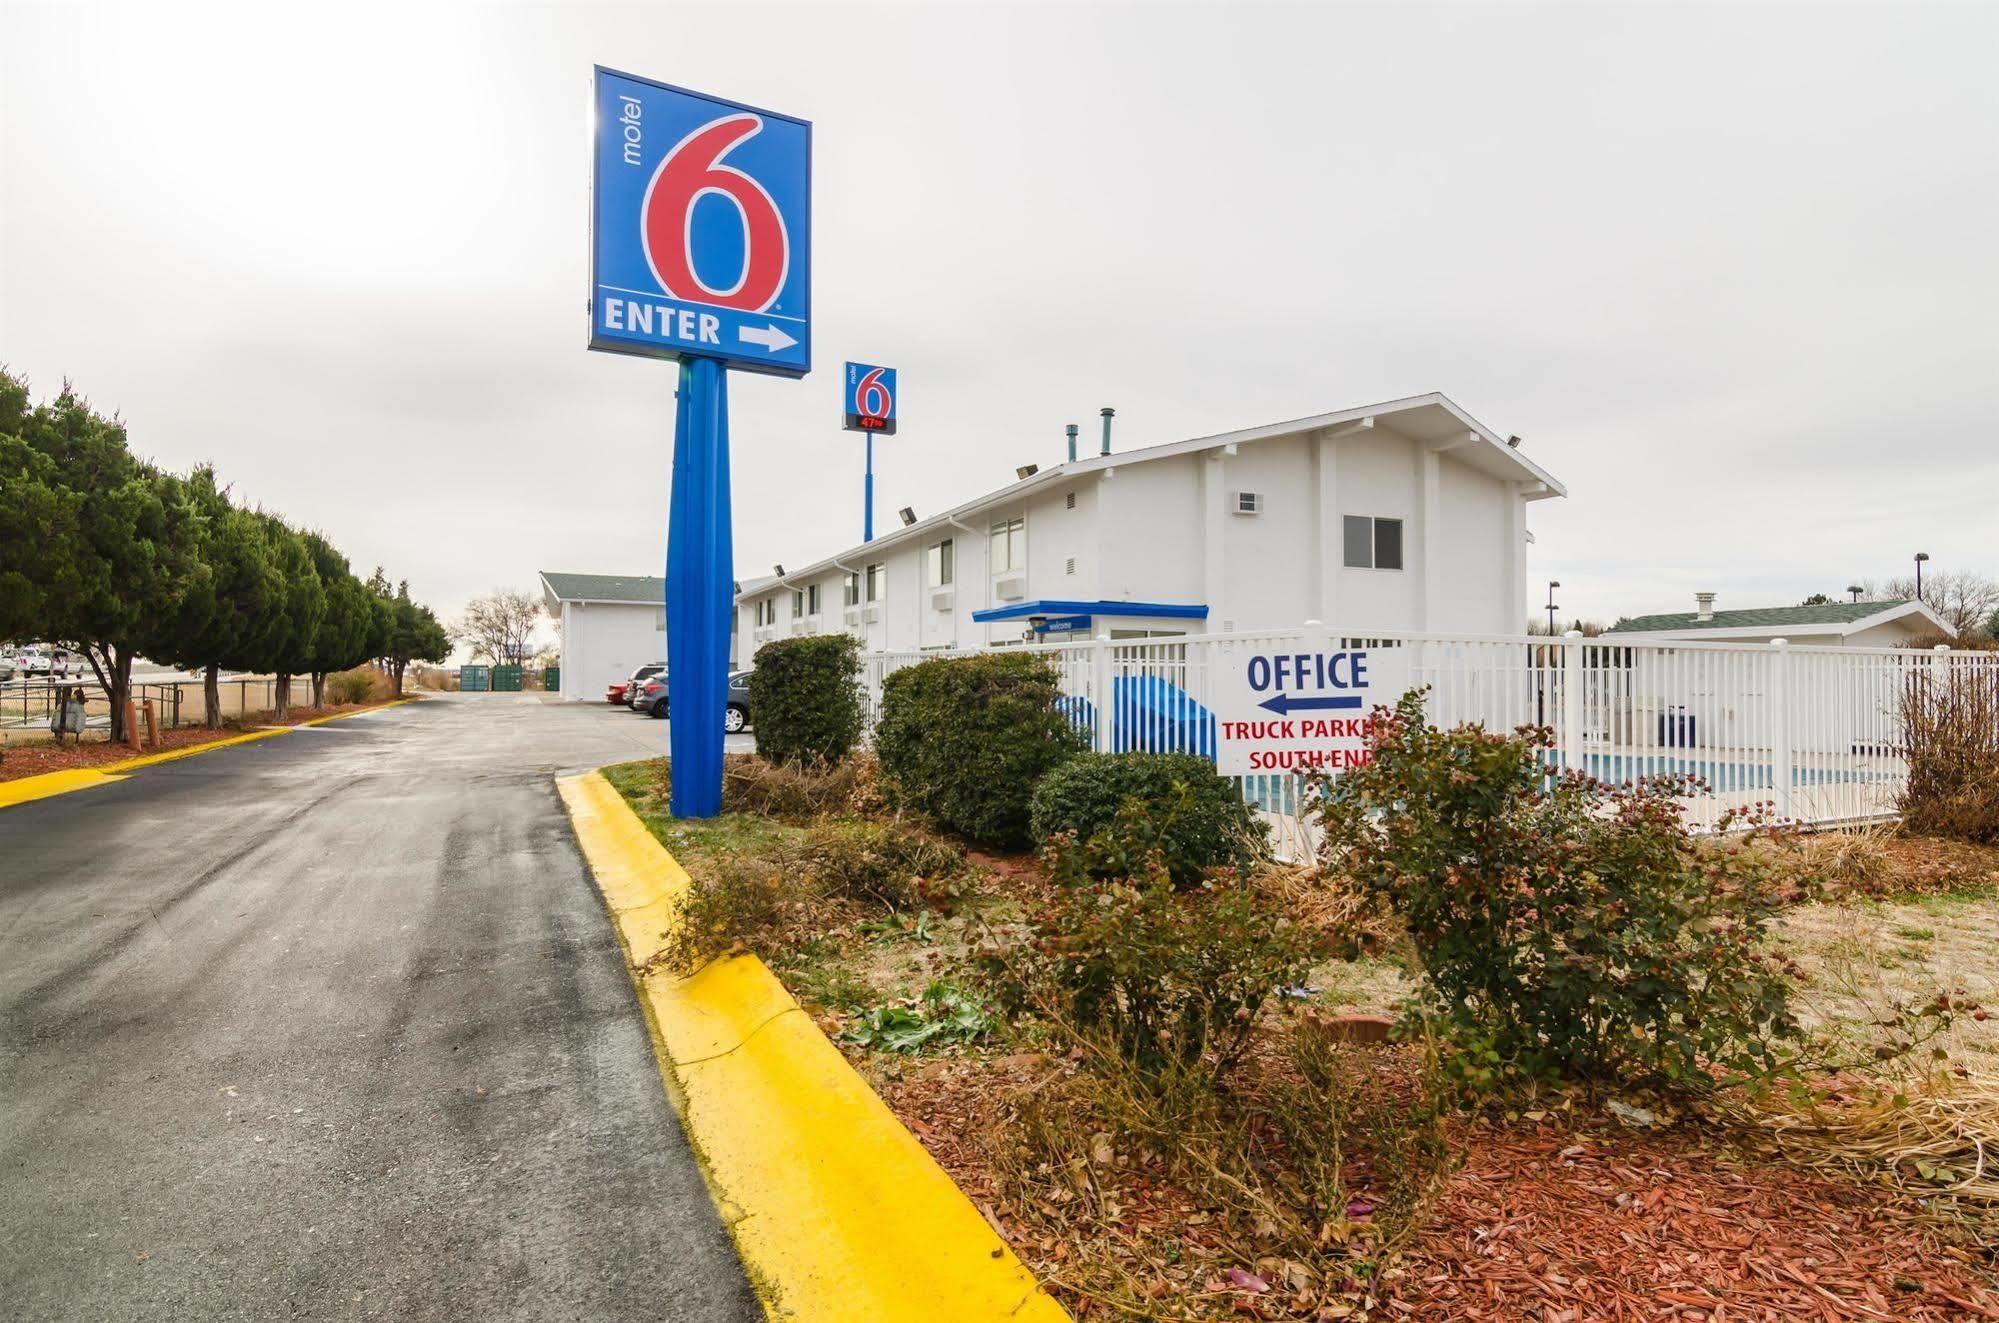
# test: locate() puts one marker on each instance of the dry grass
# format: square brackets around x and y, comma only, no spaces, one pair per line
[1860,963]
[1935,1134]
[801,793]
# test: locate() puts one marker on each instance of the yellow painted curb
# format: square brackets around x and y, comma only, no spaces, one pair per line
[836,1209]
[24,789]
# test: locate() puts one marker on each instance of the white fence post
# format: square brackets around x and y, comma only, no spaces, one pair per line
[1780,725]
[1100,687]
[1572,700]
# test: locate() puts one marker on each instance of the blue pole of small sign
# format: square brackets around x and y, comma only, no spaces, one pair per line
[868,495]
[700,588]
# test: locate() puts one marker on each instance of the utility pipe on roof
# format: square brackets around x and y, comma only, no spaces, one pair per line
[954,521]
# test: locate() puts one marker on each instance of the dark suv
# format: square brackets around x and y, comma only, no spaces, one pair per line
[638,680]
[735,717]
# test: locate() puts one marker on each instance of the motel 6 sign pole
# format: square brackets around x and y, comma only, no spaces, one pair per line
[869,408]
[700,251]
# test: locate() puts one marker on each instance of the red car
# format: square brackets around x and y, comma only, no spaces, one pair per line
[614,692]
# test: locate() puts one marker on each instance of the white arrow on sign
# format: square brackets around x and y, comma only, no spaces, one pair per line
[770,337]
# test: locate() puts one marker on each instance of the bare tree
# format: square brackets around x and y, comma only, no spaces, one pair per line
[498,625]
[1966,601]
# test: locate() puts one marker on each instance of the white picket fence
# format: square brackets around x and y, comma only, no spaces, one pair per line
[1813,731]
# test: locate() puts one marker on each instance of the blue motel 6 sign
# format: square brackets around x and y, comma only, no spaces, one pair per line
[700,251]
[701,228]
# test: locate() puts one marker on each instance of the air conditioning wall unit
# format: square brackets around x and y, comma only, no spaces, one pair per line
[871,614]
[1010,589]
[852,615]
[941,599]
[1247,503]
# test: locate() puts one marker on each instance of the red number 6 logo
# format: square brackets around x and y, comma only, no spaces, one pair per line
[870,396]
[691,171]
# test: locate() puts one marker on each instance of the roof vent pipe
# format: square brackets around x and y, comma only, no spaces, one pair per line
[1703,606]
[1072,429]
[1107,411]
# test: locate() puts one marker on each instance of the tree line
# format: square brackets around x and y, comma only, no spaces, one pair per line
[119,559]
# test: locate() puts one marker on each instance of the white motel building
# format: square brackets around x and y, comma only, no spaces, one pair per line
[1404,515]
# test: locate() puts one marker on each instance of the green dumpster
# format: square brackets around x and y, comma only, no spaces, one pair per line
[475,679]
[551,679]
[507,679]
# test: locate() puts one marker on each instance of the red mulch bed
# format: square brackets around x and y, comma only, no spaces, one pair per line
[1550,1227]
[19,760]
[1547,1224]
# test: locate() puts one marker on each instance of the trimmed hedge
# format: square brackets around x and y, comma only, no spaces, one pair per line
[964,739]
[805,699]
[1211,828]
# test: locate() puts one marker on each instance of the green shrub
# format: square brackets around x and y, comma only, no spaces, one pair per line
[1566,927]
[964,740]
[805,698]
[1211,828]
[1171,979]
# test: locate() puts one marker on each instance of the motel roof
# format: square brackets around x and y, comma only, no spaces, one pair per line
[1431,418]
[636,588]
[1825,618]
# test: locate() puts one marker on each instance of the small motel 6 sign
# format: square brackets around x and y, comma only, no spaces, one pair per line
[1292,712]
[700,228]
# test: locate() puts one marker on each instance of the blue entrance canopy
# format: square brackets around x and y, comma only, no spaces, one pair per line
[1051,607]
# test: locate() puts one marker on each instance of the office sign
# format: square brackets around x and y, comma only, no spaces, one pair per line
[1280,711]
[870,399]
[701,228]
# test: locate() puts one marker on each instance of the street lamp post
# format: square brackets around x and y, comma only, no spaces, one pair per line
[1553,584]
[1921,556]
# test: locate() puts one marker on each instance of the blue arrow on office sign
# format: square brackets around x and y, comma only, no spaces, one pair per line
[1284,703]
[701,228]
[700,251]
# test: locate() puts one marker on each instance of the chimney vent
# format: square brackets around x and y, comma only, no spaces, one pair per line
[1703,606]
[1072,429]
[1107,412]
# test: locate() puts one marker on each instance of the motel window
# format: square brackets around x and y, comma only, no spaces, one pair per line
[767,612]
[876,575]
[1009,545]
[853,590]
[812,600]
[797,603]
[1373,544]
[940,567]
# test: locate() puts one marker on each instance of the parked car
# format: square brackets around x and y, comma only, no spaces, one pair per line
[614,692]
[735,717]
[637,681]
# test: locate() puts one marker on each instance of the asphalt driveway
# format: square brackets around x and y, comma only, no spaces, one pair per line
[334,1025]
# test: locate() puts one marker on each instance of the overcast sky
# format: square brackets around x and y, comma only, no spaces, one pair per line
[1729,270]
